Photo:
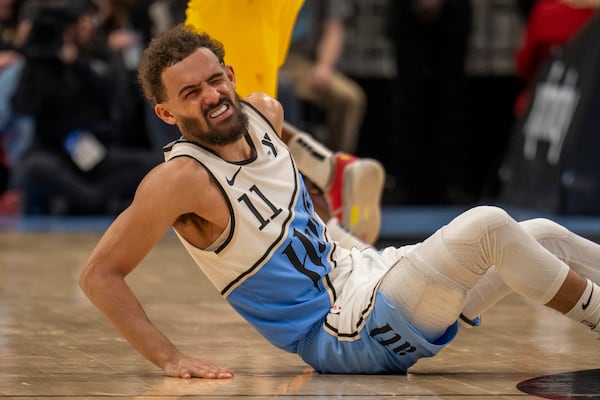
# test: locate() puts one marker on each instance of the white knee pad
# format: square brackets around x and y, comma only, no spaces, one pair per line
[475,223]
[426,299]
[485,236]
[542,228]
[465,248]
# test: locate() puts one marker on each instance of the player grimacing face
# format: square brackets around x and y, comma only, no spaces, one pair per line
[202,100]
[221,133]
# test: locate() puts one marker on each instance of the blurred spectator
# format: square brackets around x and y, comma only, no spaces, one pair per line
[9,24]
[524,7]
[430,39]
[167,13]
[10,65]
[163,15]
[76,163]
[551,23]
[492,86]
[311,67]
[267,26]
[368,59]
[552,164]
[15,136]
[125,26]
[257,36]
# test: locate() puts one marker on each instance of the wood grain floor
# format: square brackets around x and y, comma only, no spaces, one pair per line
[55,345]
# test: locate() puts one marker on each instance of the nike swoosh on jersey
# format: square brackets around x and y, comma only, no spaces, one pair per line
[231,181]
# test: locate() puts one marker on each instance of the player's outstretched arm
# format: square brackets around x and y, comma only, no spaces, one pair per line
[121,249]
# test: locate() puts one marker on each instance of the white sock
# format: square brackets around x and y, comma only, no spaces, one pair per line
[587,308]
[313,159]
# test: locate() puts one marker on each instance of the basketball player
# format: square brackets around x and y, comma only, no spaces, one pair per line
[231,191]
[257,35]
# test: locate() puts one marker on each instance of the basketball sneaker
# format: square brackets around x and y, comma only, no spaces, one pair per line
[354,195]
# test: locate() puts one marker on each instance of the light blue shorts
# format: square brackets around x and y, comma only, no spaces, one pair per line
[388,344]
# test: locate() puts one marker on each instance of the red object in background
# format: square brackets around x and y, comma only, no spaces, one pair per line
[551,23]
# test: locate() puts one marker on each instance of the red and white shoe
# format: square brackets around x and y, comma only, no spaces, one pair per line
[354,195]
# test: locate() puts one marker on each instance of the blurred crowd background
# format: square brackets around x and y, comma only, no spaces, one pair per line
[442,92]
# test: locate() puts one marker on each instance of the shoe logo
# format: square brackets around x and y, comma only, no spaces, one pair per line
[587,303]
[232,180]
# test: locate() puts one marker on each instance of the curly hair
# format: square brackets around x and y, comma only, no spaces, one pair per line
[167,49]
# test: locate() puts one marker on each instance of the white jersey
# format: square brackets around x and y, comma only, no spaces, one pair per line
[275,264]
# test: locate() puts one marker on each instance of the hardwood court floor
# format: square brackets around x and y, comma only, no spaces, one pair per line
[55,345]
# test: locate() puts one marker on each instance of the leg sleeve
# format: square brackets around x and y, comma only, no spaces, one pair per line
[445,267]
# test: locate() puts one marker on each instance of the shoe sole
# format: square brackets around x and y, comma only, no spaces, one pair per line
[361,198]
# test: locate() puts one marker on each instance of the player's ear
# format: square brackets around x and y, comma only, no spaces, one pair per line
[163,112]
[230,74]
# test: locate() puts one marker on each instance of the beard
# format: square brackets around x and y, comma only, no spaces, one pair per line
[228,132]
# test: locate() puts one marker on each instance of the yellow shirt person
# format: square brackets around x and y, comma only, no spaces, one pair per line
[256,34]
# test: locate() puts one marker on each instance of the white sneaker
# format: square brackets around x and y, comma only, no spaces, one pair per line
[354,195]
